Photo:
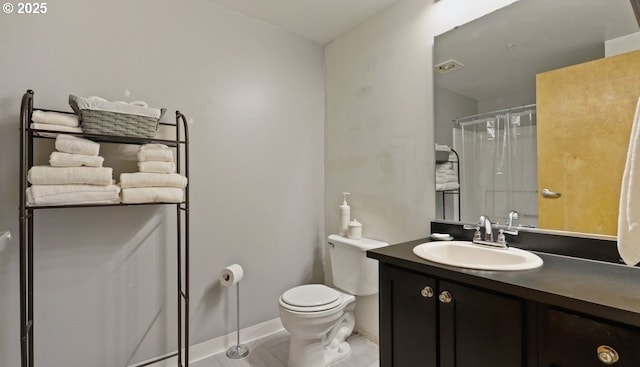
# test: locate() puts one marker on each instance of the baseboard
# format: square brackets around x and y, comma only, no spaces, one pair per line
[220,344]
[368,335]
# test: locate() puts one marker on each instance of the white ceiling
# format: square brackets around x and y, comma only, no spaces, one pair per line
[320,21]
[503,51]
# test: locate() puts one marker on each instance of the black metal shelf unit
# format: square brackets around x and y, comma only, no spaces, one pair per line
[454,193]
[27,136]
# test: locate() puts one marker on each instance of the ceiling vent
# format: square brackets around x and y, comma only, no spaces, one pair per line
[447,66]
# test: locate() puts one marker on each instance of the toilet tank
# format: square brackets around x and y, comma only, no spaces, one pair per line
[352,271]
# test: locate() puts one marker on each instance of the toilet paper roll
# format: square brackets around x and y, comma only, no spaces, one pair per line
[231,275]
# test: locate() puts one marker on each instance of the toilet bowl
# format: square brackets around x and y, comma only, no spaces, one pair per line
[320,318]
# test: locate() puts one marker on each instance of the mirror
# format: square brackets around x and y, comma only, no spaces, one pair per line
[485,99]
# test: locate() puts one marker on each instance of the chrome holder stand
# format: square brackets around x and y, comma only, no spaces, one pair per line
[239,350]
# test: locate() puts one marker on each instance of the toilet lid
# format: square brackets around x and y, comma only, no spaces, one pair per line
[311,295]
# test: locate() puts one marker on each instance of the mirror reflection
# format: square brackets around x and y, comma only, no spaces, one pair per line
[579,59]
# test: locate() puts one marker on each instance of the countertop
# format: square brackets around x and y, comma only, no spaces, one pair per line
[591,287]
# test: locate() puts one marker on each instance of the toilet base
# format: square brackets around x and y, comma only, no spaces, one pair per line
[312,353]
[336,355]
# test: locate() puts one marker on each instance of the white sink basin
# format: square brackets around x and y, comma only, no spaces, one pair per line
[469,255]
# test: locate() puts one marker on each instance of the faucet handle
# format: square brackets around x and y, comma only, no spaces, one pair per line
[501,239]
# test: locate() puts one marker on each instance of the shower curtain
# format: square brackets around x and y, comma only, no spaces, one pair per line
[498,169]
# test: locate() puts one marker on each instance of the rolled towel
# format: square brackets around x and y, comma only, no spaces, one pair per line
[154,147]
[101,104]
[55,118]
[152,195]
[139,103]
[160,155]
[72,194]
[76,145]
[143,179]
[46,175]
[66,129]
[60,159]
[157,167]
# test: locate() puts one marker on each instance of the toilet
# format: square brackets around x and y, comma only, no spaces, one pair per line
[320,318]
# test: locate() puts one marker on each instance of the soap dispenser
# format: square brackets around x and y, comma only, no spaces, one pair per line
[345,215]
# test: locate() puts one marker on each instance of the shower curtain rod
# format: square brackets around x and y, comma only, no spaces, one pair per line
[492,114]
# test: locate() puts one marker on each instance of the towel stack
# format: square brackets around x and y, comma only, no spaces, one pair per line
[446,177]
[75,176]
[66,122]
[157,181]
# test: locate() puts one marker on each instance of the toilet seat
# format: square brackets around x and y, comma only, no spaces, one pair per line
[310,298]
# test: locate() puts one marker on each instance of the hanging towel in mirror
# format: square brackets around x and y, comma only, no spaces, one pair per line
[629,212]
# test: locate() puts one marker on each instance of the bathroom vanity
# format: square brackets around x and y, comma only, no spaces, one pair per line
[569,312]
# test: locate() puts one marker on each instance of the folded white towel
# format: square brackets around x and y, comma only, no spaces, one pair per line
[447,186]
[152,195]
[72,194]
[143,179]
[629,209]
[46,175]
[446,172]
[60,159]
[101,104]
[66,129]
[154,147]
[55,118]
[440,179]
[160,155]
[157,167]
[76,145]
[444,167]
[451,186]
[441,147]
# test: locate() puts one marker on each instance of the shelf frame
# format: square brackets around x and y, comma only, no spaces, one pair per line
[457,191]
[27,216]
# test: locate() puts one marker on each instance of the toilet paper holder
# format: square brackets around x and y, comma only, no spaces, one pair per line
[229,276]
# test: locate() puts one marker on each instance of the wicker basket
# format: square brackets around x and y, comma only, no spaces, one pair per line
[115,123]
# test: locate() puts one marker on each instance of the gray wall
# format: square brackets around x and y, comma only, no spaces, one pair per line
[255,97]
[105,277]
[379,122]
[450,105]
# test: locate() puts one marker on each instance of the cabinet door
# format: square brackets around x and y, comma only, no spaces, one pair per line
[407,319]
[568,340]
[479,328]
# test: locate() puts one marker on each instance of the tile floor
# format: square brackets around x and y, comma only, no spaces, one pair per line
[272,351]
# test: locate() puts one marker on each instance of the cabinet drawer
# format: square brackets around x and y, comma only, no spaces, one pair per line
[568,340]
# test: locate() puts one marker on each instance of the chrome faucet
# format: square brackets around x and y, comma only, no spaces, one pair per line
[513,215]
[488,233]
[488,228]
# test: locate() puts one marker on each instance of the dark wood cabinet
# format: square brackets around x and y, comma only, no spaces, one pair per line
[408,319]
[567,339]
[428,322]
[568,313]
[479,328]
